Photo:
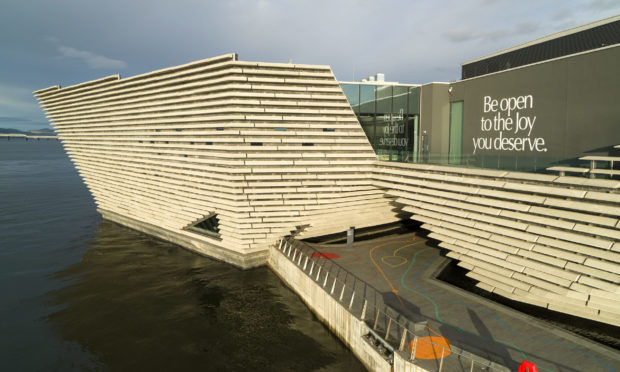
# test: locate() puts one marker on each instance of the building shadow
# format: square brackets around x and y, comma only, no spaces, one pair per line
[482,344]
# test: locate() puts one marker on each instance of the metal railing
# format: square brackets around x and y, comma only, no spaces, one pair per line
[390,331]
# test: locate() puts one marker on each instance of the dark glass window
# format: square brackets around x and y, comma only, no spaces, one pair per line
[367,99]
[414,101]
[352,91]
[368,124]
[413,133]
[384,99]
[383,138]
[399,105]
[208,226]
[388,115]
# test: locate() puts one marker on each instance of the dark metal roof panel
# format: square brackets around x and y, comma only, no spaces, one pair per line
[589,39]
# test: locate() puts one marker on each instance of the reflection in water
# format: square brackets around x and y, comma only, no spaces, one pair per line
[137,303]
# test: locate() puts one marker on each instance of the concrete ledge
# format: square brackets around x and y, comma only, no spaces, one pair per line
[242,260]
[348,328]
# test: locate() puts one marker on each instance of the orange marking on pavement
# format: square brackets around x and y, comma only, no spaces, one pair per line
[325,255]
[431,347]
[384,276]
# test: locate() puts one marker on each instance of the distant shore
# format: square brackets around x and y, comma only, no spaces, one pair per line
[26,136]
[29,134]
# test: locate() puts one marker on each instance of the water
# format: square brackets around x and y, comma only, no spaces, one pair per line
[79,293]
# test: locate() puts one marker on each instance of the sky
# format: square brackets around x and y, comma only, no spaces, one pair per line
[65,42]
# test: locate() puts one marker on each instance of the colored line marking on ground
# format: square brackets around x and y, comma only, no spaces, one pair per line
[436,306]
[325,255]
[400,260]
[413,260]
[356,257]
[512,330]
[383,274]
[490,315]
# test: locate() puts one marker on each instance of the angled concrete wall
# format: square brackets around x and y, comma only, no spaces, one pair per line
[540,239]
[268,147]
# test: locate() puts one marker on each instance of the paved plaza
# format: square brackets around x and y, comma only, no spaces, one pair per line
[403,266]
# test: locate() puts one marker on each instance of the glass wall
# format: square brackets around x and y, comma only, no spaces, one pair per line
[389,115]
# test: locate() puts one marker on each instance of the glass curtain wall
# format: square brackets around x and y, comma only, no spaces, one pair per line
[389,115]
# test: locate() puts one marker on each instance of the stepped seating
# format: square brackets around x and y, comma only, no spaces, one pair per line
[593,170]
[563,170]
[609,159]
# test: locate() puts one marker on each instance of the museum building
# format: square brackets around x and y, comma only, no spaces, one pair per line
[511,168]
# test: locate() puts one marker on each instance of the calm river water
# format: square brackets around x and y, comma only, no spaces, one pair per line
[80,294]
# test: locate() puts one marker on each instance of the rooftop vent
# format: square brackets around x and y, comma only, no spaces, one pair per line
[379,77]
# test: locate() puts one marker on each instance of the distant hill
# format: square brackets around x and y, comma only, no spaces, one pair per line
[10,131]
[37,132]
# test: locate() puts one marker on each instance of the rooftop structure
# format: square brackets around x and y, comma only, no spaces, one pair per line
[591,36]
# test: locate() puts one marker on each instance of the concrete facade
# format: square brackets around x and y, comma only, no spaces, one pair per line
[274,148]
[265,147]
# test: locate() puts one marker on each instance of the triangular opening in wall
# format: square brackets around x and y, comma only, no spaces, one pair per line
[209,225]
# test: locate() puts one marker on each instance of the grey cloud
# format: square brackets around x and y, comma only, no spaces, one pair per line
[51,39]
[91,59]
[370,35]
[10,119]
[562,14]
[527,27]
[603,4]
[495,35]
[458,36]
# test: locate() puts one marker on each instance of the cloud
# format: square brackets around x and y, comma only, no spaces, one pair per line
[463,35]
[458,36]
[5,119]
[19,108]
[91,59]
[603,4]
[21,123]
[527,27]
[496,35]
[19,103]
[563,14]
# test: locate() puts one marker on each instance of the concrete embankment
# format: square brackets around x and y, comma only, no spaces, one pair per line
[334,313]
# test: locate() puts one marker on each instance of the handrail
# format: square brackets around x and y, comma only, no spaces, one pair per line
[398,327]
